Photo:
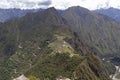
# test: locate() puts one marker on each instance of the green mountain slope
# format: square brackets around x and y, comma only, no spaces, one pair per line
[97,30]
[40,45]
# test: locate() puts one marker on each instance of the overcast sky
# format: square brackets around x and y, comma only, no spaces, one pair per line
[59,4]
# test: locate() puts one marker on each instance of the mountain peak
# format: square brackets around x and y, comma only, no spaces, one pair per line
[53,16]
[51,8]
[78,9]
[48,16]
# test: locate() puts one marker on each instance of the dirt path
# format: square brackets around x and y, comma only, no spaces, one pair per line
[116,73]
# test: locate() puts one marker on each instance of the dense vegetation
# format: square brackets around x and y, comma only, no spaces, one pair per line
[97,30]
[41,45]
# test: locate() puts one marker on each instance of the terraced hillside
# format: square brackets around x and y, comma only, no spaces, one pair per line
[41,46]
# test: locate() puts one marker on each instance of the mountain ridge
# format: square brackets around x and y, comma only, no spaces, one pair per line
[31,40]
[86,22]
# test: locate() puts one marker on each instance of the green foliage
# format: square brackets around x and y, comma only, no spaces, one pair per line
[110,67]
[32,78]
[72,67]
[98,31]
[84,72]
[59,64]
[118,76]
[97,67]
[28,41]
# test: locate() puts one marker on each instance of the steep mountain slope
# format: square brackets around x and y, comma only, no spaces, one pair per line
[7,14]
[111,12]
[101,32]
[41,45]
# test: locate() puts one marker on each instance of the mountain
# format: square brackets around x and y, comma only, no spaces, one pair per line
[41,46]
[99,31]
[111,12]
[7,14]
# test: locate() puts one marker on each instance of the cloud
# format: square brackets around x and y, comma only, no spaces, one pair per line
[25,4]
[90,4]
[46,3]
[59,4]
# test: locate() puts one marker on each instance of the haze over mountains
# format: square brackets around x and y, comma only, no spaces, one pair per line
[7,14]
[49,43]
[111,12]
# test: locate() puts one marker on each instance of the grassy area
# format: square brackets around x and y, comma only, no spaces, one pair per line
[118,76]
[61,46]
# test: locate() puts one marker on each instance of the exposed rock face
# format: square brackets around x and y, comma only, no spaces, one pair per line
[22,77]
[62,78]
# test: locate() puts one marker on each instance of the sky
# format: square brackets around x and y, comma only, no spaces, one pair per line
[59,4]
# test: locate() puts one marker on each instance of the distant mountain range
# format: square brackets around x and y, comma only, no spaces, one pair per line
[111,12]
[7,14]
